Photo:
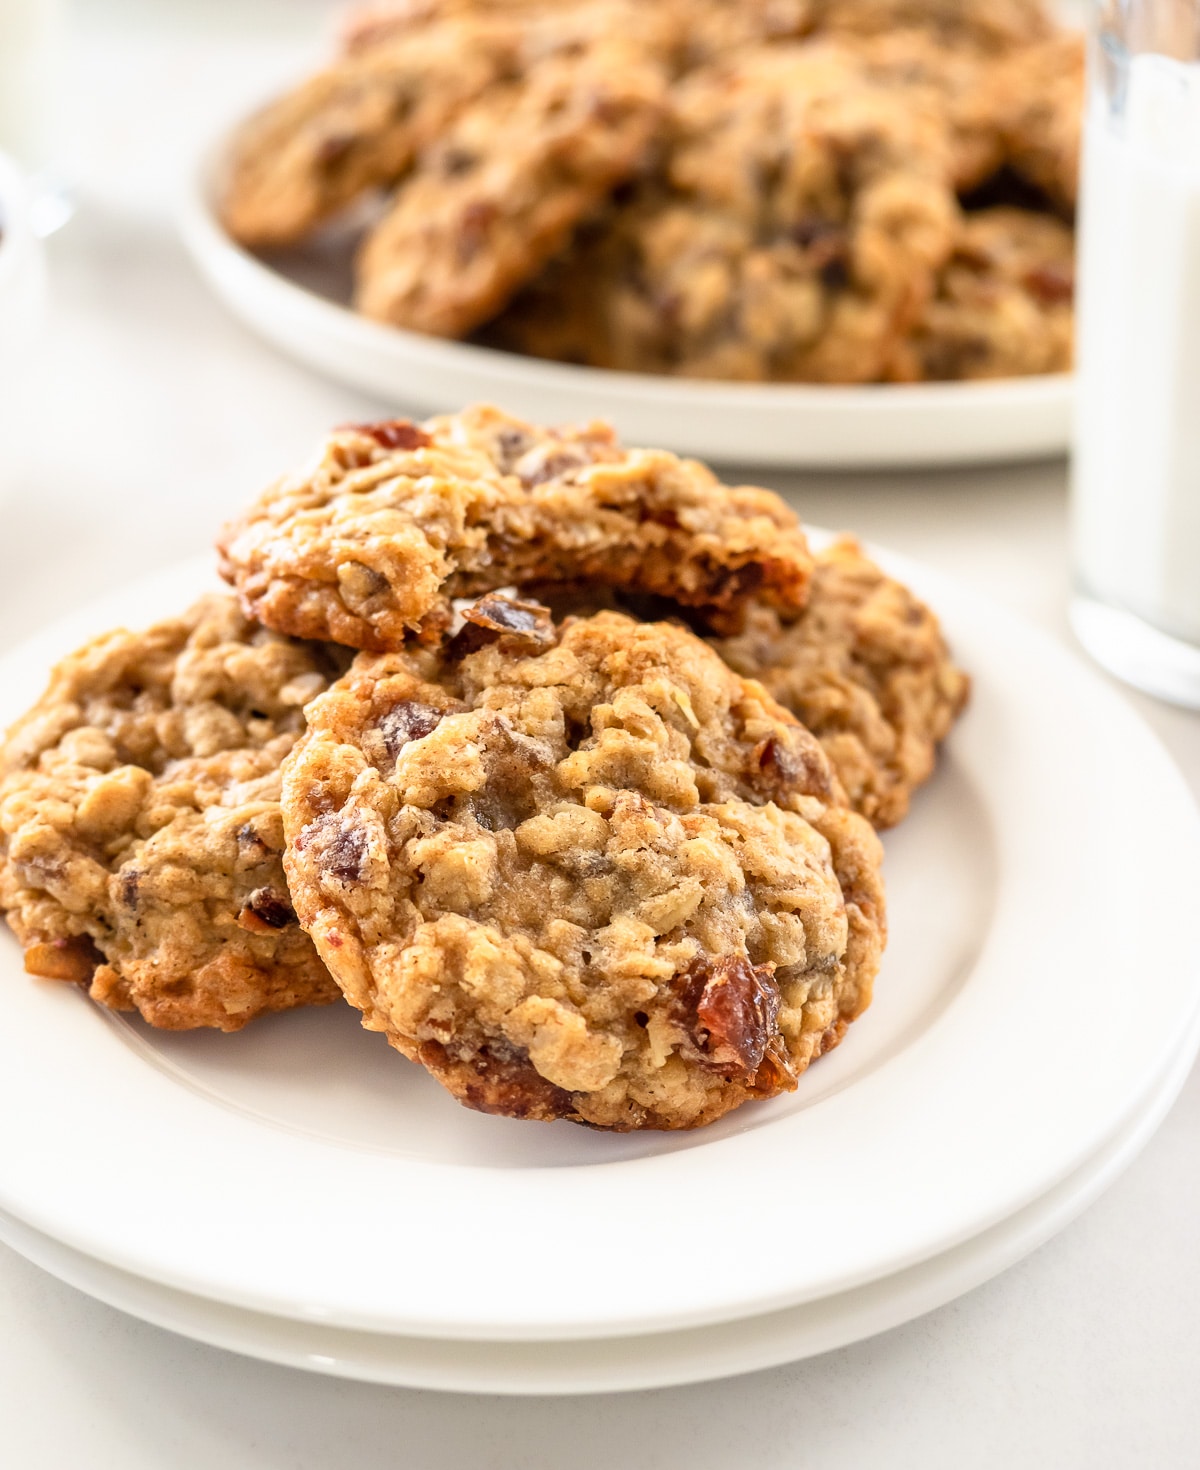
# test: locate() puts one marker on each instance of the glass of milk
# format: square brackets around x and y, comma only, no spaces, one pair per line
[31,97]
[1136,478]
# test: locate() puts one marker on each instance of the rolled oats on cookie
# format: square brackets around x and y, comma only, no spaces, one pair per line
[140,831]
[600,878]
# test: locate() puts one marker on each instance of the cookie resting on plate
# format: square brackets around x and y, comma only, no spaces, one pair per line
[588,872]
[373,541]
[140,831]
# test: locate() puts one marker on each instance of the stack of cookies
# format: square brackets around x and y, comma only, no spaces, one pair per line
[560,761]
[843,191]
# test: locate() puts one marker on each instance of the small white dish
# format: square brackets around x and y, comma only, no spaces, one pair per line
[302,1170]
[614,1365]
[22,273]
[299,304]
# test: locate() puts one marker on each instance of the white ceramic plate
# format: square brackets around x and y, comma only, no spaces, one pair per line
[1036,986]
[297,302]
[611,1365]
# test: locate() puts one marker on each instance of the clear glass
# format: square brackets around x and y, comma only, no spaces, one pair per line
[1136,468]
[31,100]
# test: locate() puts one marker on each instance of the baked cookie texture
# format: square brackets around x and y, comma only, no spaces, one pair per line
[373,540]
[356,126]
[587,872]
[505,187]
[865,668]
[1004,302]
[140,831]
[792,231]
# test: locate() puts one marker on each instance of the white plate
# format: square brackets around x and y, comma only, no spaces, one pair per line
[298,304]
[612,1365]
[1037,985]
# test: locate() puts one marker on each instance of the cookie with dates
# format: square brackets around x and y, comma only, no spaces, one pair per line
[373,540]
[587,872]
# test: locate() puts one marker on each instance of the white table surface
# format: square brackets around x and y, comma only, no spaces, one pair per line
[147,417]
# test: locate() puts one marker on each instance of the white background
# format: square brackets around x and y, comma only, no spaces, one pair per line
[147,417]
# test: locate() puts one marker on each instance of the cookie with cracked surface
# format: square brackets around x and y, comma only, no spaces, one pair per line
[373,541]
[357,126]
[503,189]
[140,832]
[1004,304]
[606,880]
[867,670]
[791,232]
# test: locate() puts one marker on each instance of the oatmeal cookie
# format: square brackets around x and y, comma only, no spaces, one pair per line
[792,232]
[357,126]
[586,873]
[140,832]
[374,540]
[504,188]
[1004,304]
[866,669]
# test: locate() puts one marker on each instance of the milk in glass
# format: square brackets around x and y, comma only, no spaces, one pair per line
[1136,501]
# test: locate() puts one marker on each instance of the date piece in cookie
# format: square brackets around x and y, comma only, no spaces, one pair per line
[1004,304]
[608,880]
[373,541]
[140,832]
[357,126]
[504,188]
[792,231]
[867,670]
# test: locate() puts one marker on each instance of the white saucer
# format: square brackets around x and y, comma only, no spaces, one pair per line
[619,1364]
[302,1170]
[298,303]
